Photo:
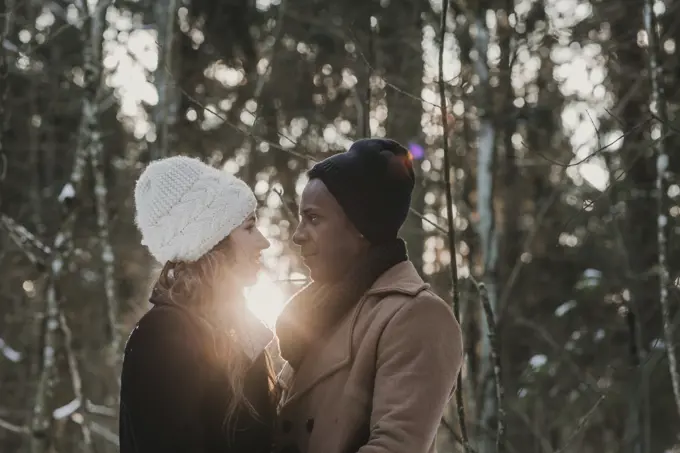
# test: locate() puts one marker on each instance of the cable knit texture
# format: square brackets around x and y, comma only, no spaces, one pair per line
[185,207]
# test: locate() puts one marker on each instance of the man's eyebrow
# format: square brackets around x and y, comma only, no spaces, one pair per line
[308,209]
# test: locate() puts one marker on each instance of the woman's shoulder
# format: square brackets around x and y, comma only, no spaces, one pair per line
[165,324]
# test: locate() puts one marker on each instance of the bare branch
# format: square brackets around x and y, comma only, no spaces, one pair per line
[105,433]
[91,140]
[581,425]
[449,217]
[98,409]
[13,428]
[599,150]
[34,249]
[289,212]
[496,359]
[76,378]
[41,418]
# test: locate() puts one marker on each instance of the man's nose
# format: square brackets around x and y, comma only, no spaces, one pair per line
[299,236]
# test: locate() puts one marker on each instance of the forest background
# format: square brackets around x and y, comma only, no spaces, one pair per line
[544,134]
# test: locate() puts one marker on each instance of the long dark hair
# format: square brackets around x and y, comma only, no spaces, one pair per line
[192,286]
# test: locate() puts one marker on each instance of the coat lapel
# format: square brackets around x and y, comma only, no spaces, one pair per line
[336,352]
[333,354]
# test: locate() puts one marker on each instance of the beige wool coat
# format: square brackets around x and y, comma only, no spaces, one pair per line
[381,381]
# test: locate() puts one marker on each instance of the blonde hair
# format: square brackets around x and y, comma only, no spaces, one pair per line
[191,286]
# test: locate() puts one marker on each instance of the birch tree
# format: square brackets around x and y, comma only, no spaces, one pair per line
[659,133]
[486,164]
[91,141]
[166,110]
[6,22]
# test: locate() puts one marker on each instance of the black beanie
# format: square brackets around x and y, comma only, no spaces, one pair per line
[372,182]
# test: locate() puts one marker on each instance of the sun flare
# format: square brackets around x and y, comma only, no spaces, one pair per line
[265,299]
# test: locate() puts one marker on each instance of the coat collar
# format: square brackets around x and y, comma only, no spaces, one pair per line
[250,333]
[336,352]
[401,278]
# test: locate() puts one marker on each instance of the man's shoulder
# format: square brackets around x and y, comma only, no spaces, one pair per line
[165,323]
[413,308]
[427,319]
[395,301]
[424,304]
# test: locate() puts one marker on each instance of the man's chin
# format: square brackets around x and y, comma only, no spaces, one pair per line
[313,272]
[317,273]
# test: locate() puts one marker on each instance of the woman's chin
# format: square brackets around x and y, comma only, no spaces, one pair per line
[248,279]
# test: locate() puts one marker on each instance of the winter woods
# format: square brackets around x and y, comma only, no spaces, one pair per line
[543,134]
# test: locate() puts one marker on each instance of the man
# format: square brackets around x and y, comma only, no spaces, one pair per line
[373,355]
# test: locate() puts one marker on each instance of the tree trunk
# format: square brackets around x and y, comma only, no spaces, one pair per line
[398,49]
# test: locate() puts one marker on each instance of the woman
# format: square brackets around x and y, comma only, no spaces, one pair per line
[196,376]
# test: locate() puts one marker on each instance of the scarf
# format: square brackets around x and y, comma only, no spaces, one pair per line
[312,313]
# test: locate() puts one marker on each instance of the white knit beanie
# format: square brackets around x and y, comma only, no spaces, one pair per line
[184,207]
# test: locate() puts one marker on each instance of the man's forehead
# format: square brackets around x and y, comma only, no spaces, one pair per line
[315,193]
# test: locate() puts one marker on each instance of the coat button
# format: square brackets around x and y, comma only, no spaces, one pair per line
[309,425]
[286,426]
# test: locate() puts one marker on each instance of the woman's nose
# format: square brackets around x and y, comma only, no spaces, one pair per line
[264,242]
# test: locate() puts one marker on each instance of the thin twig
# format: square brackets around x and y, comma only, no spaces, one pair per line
[512,279]
[494,347]
[105,433]
[76,378]
[457,78]
[581,376]
[13,428]
[26,240]
[581,425]
[449,218]
[514,274]
[431,222]
[275,146]
[289,212]
[3,166]
[234,126]
[544,441]
[599,150]
[451,429]
[366,117]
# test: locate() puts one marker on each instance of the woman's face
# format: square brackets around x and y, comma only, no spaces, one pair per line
[246,244]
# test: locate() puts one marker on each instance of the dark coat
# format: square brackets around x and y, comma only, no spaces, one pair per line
[174,401]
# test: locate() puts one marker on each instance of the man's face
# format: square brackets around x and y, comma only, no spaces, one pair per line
[329,243]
